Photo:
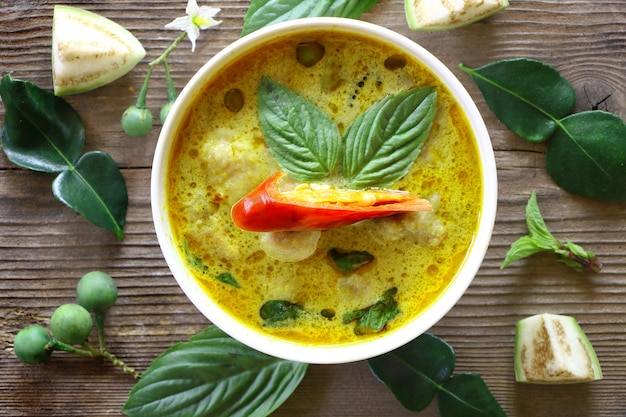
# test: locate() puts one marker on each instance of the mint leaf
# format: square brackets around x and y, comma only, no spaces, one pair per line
[383,142]
[302,138]
[528,96]
[95,188]
[263,13]
[213,375]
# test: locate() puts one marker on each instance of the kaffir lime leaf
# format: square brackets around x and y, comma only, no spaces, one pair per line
[553,349]
[89,50]
[449,14]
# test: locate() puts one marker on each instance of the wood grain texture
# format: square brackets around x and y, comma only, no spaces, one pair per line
[45,247]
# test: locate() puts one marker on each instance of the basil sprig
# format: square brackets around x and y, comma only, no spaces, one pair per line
[586,151]
[539,239]
[422,369]
[43,132]
[267,12]
[376,150]
[213,375]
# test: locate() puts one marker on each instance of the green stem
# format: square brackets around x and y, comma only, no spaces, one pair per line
[99,320]
[143,92]
[171,90]
[88,350]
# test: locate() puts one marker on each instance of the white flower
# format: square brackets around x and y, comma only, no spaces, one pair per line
[198,18]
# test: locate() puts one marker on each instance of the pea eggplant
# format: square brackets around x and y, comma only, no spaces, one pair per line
[268,208]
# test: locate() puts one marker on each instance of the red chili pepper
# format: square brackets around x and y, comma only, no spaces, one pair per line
[268,209]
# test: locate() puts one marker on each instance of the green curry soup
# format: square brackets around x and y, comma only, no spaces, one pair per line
[219,155]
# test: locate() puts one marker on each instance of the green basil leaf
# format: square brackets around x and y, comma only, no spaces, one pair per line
[587,155]
[275,311]
[41,132]
[228,278]
[467,395]
[192,259]
[349,261]
[213,375]
[523,247]
[303,139]
[415,371]
[196,262]
[373,319]
[263,13]
[95,188]
[383,142]
[528,96]
[537,226]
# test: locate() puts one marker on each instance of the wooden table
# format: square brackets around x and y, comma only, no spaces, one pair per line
[45,247]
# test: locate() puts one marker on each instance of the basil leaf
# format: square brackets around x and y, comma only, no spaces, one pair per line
[95,188]
[213,375]
[275,311]
[528,96]
[373,319]
[349,261]
[192,259]
[303,139]
[228,278]
[263,13]
[196,262]
[467,395]
[587,155]
[41,132]
[523,247]
[415,371]
[383,142]
[537,226]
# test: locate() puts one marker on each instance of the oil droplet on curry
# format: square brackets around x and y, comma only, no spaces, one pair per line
[219,155]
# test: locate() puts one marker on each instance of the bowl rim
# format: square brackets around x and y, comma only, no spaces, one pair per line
[311,353]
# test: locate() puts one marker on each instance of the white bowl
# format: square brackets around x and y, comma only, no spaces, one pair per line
[314,353]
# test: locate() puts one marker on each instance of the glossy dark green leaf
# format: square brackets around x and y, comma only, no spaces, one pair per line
[528,96]
[383,142]
[41,132]
[374,318]
[349,261]
[467,395]
[415,371]
[275,311]
[263,13]
[96,189]
[302,138]
[587,155]
[213,375]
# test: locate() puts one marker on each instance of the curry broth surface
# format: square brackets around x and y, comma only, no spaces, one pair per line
[220,155]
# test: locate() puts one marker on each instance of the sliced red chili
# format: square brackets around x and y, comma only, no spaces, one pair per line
[268,209]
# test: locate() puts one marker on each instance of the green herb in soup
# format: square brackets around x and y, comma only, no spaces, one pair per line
[220,155]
